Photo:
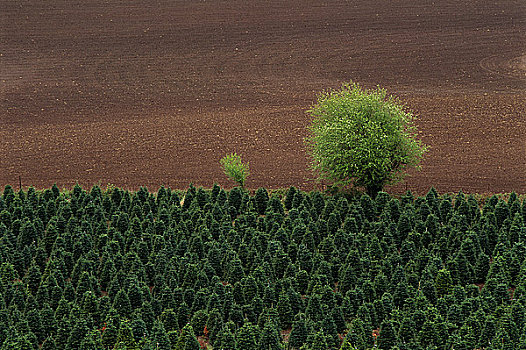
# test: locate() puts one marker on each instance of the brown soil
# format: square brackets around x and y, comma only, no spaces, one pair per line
[151,92]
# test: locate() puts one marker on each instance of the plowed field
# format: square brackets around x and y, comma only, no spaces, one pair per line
[151,92]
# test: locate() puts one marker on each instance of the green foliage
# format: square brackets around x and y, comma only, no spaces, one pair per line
[125,338]
[261,200]
[246,337]
[270,339]
[187,339]
[319,341]
[362,137]
[388,337]
[131,270]
[443,282]
[234,168]
[285,311]
[299,333]
[225,339]
[160,337]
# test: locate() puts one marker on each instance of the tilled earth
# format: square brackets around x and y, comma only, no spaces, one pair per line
[150,93]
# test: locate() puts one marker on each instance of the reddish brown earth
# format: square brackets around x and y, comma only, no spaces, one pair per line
[151,92]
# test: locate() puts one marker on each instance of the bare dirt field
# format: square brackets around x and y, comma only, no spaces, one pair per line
[151,92]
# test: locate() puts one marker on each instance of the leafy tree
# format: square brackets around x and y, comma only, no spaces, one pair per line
[362,137]
[234,168]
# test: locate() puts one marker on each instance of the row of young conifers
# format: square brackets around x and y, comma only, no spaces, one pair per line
[113,269]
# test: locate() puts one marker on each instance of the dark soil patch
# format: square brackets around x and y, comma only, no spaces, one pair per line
[156,92]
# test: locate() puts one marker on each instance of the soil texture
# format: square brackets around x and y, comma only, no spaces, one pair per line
[150,93]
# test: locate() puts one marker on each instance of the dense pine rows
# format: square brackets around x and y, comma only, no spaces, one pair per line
[178,270]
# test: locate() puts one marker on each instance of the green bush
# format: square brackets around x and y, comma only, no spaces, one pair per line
[234,168]
[362,138]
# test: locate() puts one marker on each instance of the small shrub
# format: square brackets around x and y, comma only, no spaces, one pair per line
[234,168]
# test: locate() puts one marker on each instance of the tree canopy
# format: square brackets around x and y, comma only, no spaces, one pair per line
[362,138]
